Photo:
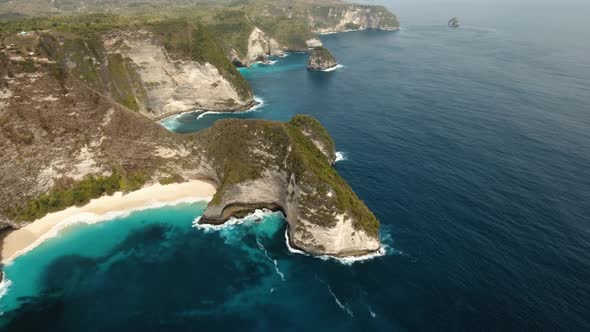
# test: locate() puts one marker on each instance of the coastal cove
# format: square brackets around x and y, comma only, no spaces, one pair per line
[470,145]
[21,241]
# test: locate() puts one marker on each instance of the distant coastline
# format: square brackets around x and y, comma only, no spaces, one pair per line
[360,29]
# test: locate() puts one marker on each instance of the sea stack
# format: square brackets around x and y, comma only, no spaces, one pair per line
[454,22]
[321,59]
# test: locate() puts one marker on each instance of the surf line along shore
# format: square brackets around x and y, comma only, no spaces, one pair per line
[100,209]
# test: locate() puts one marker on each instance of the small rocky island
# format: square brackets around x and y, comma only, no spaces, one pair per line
[321,59]
[454,23]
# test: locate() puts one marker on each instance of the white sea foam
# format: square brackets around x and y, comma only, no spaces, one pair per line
[342,306]
[259,104]
[373,314]
[343,260]
[274,261]
[257,215]
[90,218]
[340,156]
[172,122]
[4,285]
[265,63]
[333,68]
[336,299]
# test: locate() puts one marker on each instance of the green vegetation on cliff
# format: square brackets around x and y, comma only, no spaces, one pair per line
[193,40]
[77,193]
[291,142]
[232,29]
[306,157]
[85,58]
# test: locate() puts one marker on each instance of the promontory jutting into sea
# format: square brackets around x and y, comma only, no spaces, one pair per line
[270,165]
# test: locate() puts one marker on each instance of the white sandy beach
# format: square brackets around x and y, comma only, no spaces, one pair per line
[103,208]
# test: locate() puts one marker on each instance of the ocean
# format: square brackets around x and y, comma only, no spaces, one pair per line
[472,147]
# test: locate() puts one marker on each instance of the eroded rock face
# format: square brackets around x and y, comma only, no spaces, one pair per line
[172,85]
[260,47]
[321,59]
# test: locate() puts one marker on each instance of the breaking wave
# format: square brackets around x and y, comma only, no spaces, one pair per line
[173,122]
[340,156]
[333,68]
[373,314]
[4,285]
[259,103]
[255,216]
[343,260]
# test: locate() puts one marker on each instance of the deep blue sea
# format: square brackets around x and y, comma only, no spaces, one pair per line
[471,145]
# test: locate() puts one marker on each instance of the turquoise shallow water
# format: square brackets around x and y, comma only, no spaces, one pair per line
[470,145]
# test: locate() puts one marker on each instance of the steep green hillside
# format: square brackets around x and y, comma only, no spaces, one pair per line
[86,59]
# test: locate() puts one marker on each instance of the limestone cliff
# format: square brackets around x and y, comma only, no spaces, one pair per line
[321,59]
[325,217]
[159,70]
[67,143]
[260,47]
[172,83]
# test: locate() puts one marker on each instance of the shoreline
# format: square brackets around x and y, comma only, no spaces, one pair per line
[353,30]
[245,108]
[165,122]
[21,241]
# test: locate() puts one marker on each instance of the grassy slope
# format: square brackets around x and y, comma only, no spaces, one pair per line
[307,157]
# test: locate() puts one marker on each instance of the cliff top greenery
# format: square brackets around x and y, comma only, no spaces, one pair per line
[237,164]
[322,53]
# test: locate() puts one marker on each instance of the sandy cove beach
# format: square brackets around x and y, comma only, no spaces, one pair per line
[22,240]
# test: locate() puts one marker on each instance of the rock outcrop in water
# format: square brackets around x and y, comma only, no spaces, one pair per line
[454,22]
[69,143]
[321,59]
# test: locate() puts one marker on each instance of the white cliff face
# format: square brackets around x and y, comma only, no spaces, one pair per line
[261,46]
[173,86]
[273,192]
[341,240]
